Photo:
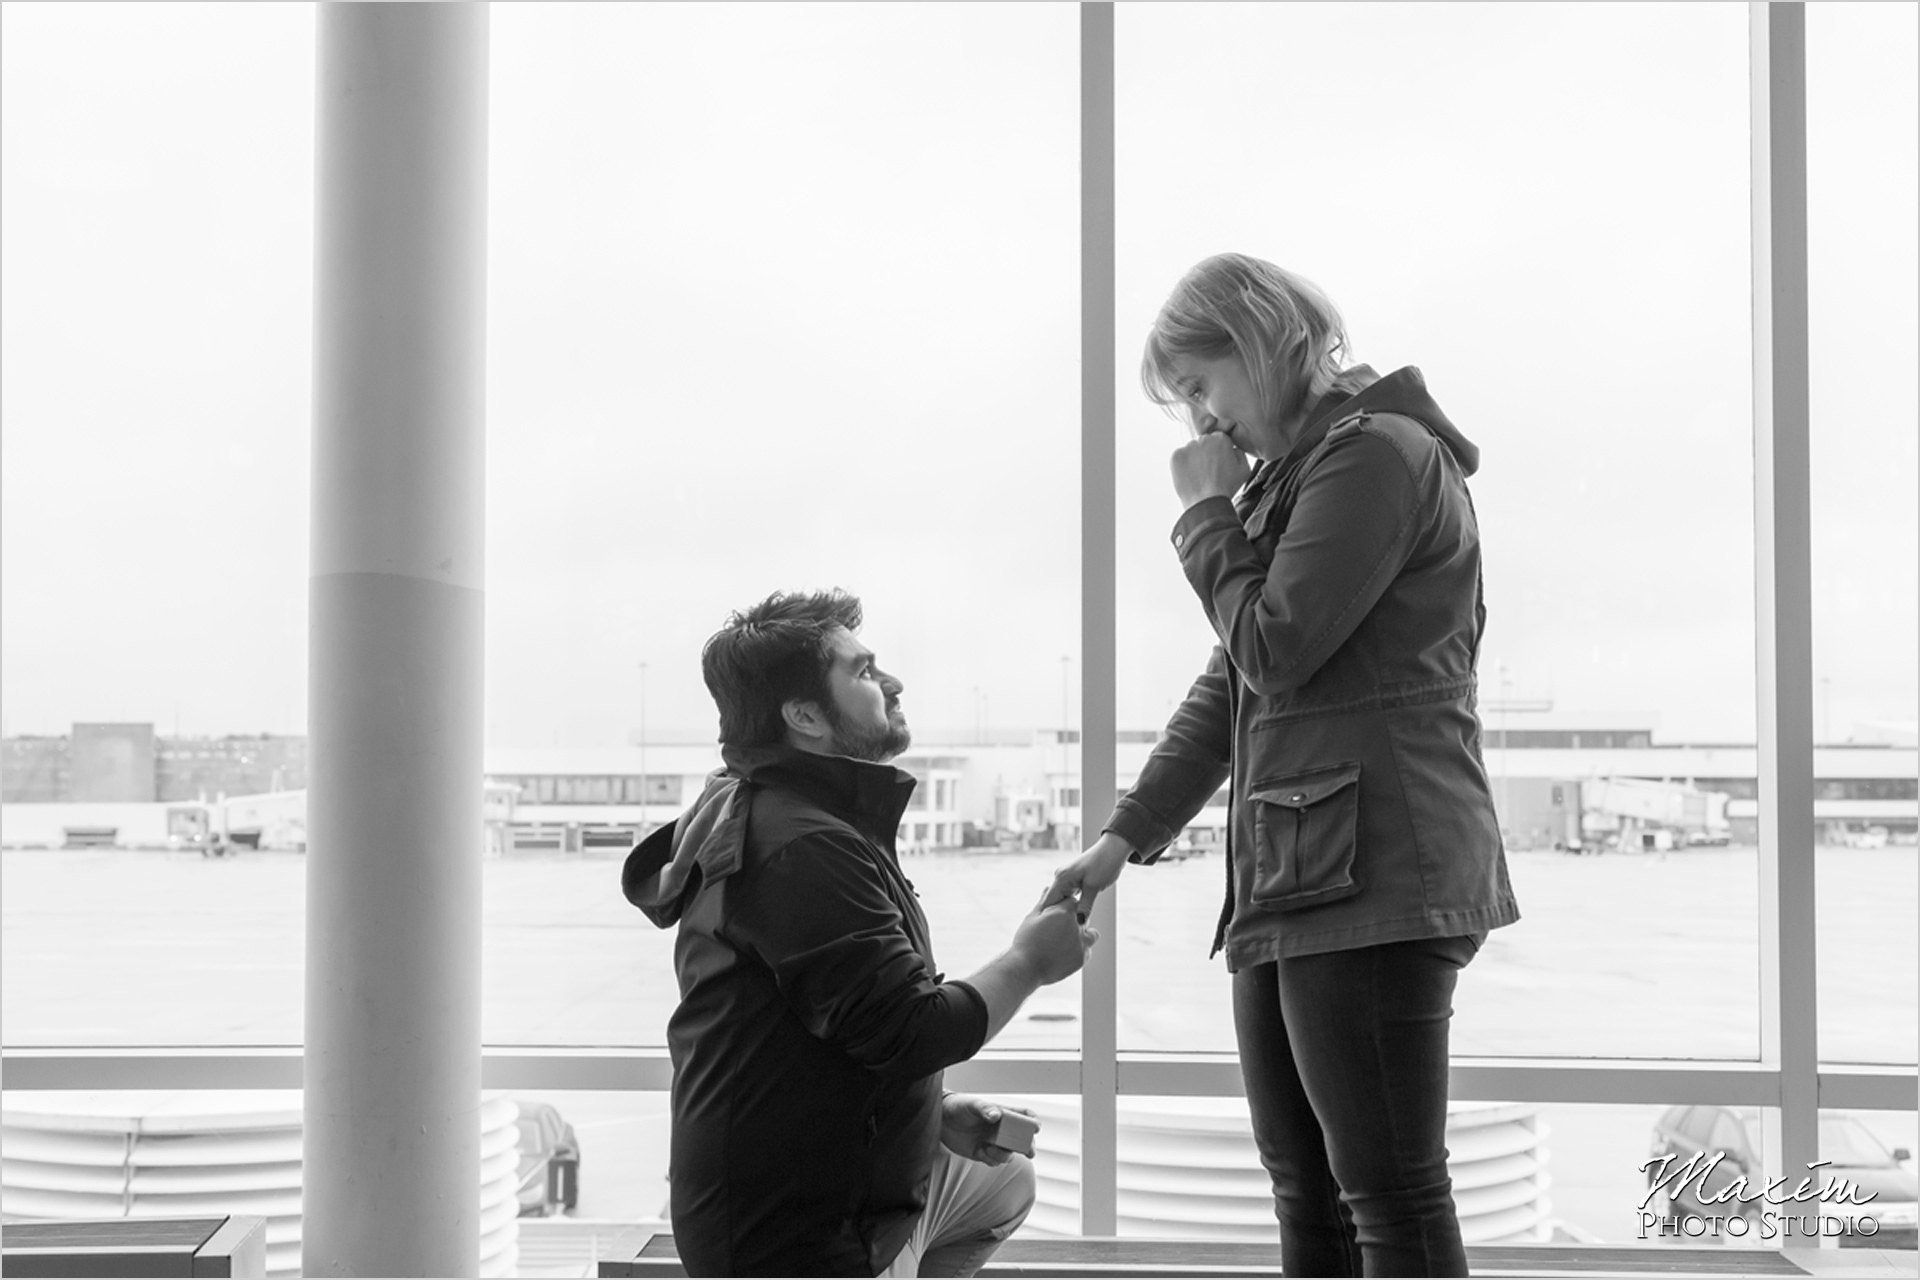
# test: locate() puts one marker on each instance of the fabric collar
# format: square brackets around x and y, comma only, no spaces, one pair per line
[1342,400]
[871,796]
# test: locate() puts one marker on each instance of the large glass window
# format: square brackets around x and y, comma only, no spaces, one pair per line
[152,947]
[189,1154]
[788,297]
[1863,201]
[156,228]
[782,298]
[1544,207]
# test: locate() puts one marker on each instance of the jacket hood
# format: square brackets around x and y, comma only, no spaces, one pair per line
[1404,391]
[707,842]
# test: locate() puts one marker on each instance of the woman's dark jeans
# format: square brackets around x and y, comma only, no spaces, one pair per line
[1345,1060]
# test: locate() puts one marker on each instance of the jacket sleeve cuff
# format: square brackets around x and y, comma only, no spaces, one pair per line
[1199,518]
[1147,834]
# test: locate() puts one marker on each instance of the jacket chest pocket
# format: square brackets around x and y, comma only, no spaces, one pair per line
[1305,827]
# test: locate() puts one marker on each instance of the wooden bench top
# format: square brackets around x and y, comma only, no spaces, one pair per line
[1109,1256]
[212,1246]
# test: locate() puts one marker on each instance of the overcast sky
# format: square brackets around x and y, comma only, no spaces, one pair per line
[787,296]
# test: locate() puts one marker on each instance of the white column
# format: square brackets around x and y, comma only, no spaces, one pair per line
[1783,585]
[392,1060]
[1099,1148]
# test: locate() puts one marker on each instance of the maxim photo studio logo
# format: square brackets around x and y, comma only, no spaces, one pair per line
[1703,1202]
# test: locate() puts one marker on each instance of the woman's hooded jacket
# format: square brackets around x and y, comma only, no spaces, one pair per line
[1343,584]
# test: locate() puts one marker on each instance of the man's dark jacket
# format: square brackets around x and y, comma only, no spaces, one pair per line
[812,1026]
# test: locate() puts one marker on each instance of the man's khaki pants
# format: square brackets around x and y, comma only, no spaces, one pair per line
[971,1208]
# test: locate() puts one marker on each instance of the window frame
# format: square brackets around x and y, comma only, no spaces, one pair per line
[1787,1081]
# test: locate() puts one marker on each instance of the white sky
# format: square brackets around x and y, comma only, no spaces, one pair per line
[787,295]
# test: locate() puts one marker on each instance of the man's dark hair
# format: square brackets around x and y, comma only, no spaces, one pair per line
[769,654]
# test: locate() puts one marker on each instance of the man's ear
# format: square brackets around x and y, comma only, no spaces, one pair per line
[805,721]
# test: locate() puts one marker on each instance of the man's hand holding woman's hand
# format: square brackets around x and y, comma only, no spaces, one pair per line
[1088,875]
[1053,941]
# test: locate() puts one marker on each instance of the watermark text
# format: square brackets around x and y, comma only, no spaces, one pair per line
[1734,1207]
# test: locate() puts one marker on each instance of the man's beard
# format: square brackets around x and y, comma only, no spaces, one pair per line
[874,745]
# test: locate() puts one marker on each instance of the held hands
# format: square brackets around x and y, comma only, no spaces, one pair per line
[1208,466]
[1053,941]
[1088,875]
[969,1125]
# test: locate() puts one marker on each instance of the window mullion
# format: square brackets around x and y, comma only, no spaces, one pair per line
[1783,582]
[1099,1188]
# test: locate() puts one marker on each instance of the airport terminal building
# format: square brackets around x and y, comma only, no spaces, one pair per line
[1578,783]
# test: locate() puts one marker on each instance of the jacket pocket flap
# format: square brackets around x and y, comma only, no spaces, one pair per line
[1303,790]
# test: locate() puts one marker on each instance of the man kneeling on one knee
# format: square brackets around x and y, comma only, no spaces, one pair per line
[811,1135]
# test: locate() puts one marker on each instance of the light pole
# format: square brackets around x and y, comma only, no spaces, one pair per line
[1502,705]
[643,749]
[1066,750]
[1064,660]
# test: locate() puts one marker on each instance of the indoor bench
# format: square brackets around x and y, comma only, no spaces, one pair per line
[652,1254]
[216,1246]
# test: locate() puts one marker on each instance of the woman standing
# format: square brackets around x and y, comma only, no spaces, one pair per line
[1364,863]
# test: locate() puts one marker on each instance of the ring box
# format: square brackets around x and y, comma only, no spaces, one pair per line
[1015,1132]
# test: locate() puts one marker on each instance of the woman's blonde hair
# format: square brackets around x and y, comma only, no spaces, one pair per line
[1287,331]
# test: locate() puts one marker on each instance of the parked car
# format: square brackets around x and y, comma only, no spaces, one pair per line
[549,1162]
[1855,1155]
